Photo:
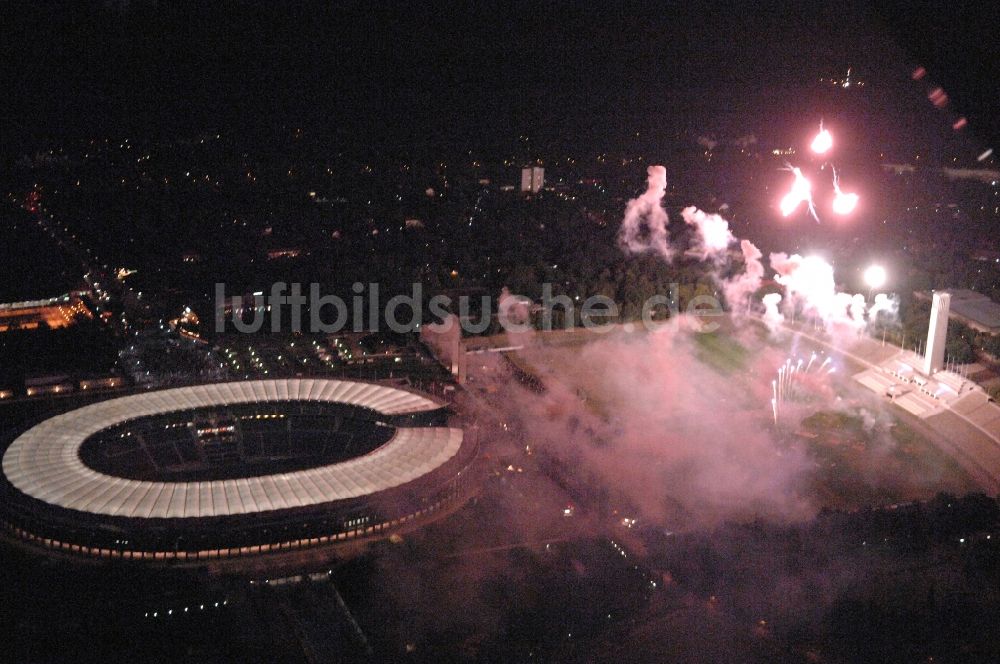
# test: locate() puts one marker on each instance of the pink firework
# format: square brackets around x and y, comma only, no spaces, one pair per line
[800,192]
[843,203]
[822,142]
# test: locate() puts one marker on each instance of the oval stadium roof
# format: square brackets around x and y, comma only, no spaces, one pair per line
[44,462]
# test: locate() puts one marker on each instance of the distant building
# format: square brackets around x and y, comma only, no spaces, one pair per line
[444,340]
[53,313]
[283,253]
[532,179]
[971,308]
[105,383]
[54,384]
[986,256]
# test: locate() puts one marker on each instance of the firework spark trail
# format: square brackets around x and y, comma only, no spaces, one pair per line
[788,382]
[823,141]
[800,192]
[774,400]
[843,203]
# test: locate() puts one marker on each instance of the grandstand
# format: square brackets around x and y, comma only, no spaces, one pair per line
[233,469]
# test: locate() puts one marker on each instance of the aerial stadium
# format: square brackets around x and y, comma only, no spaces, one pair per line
[234,469]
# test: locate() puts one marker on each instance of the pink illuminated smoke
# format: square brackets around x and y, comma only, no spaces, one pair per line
[808,279]
[644,227]
[714,236]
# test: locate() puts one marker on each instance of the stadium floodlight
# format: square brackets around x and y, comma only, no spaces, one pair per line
[875,276]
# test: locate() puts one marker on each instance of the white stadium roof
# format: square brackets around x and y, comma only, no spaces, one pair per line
[44,462]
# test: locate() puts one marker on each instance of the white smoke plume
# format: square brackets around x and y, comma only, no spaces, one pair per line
[773,318]
[514,309]
[857,310]
[644,227]
[884,305]
[808,281]
[712,241]
[737,289]
[714,236]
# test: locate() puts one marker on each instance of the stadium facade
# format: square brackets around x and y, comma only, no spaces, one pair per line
[234,469]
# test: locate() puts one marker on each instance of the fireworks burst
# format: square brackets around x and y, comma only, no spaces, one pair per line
[800,192]
[790,382]
[842,203]
[823,141]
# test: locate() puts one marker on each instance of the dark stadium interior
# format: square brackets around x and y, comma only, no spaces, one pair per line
[242,440]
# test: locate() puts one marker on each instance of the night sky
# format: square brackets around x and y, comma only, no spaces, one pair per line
[477,73]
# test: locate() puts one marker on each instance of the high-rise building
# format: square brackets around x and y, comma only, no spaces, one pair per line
[937,333]
[532,179]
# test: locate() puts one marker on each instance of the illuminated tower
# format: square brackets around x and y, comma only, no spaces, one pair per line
[937,333]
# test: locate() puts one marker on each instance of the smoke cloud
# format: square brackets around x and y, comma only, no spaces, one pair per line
[627,415]
[809,284]
[712,241]
[883,306]
[773,317]
[713,237]
[645,225]
[737,289]
[808,281]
